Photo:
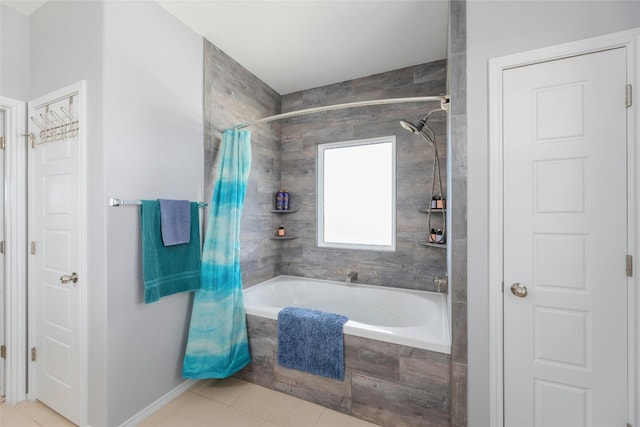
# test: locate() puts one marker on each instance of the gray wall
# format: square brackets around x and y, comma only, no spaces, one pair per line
[14,54]
[233,95]
[145,140]
[412,265]
[456,68]
[495,29]
[153,145]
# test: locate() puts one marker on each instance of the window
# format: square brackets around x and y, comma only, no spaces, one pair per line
[357,194]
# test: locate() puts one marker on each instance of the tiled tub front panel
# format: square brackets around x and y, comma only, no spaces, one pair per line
[387,384]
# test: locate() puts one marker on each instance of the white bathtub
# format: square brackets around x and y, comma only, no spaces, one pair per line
[412,318]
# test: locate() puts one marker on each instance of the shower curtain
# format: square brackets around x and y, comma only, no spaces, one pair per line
[217,346]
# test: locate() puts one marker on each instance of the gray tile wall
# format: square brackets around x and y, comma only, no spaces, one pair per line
[232,96]
[457,66]
[388,384]
[412,265]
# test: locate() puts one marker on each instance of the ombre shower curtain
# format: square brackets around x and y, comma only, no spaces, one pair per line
[218,346]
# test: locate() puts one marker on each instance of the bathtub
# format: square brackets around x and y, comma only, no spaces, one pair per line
[406,317]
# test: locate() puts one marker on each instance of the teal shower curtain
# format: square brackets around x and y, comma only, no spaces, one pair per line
[218,346]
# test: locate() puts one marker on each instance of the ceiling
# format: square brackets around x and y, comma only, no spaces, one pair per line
[300,44]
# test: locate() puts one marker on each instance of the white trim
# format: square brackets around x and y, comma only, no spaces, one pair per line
[15,264]
[631,40]
[158,404]
[82,271]
[321,147]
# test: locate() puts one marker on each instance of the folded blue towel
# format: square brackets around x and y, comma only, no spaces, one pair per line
[167,270]
[311,341]
[175,219]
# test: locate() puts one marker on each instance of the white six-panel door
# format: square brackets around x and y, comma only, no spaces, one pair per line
[565,242]
[54,234]
[2,258]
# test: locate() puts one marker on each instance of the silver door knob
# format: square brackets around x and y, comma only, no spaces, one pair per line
[519,290]
[68,278]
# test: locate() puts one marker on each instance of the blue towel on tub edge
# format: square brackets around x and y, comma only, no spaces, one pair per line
[167,270]
[311,341]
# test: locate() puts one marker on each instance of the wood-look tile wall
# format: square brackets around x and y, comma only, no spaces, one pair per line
[232,96]
[412,265]
[388,384]
[284,156]
[457,66]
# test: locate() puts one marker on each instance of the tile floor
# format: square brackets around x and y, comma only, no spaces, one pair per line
[210,403]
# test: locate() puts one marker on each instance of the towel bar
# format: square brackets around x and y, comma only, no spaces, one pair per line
[120,202]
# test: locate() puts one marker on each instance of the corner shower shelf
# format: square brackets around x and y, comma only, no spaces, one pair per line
[283,211]
[434,245]
[426,210]
[283,238]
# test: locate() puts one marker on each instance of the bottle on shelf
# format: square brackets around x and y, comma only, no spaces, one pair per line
[439,236]
[279,200]
[432,236]
[440,203]
[285,200]
[281,232]
[434,202]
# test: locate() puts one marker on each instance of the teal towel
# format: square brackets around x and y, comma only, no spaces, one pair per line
[167,270]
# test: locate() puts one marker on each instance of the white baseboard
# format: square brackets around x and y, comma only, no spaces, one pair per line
[155,406]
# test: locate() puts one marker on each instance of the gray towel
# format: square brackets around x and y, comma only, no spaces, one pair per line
[311,341]
[175,221]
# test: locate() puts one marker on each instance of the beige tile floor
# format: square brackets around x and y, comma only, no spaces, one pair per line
[210,403]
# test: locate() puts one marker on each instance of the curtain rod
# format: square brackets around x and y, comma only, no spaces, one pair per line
[444,104]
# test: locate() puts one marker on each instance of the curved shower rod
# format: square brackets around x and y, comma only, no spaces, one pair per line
[444,104]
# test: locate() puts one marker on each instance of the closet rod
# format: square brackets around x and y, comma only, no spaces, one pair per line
[444,104]
[120,202]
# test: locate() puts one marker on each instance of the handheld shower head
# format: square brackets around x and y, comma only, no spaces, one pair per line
[416,129]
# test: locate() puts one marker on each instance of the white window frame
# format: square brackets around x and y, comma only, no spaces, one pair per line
[320,194]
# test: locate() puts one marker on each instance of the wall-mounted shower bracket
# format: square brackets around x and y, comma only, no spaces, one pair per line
[442,283]
[444,104]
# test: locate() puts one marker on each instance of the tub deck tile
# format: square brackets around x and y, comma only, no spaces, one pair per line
[394,405]
[262,333]
[371,357]
[333,394]
[425,370]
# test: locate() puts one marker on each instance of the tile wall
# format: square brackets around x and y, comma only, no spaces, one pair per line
[457,66]
[387,384]
[233,95]
[412,265]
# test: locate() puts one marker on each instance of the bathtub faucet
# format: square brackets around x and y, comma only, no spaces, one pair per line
[352,277]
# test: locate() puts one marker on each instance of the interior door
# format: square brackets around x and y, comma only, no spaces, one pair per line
[565,242]
[54,261]
[2,250]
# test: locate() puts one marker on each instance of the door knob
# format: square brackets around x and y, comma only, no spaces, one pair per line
[519,290]
[68,278]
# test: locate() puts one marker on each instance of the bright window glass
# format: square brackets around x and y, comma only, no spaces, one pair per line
[356,194]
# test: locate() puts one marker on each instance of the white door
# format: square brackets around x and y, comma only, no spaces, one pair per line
[3,323]
[565,241]
[54,235]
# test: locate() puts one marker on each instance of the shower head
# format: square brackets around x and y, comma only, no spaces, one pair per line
[416,129]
